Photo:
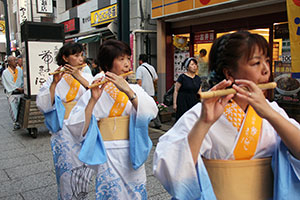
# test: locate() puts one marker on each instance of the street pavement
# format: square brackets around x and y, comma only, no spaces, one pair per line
[26,165]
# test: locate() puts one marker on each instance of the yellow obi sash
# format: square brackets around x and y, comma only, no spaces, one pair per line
[241,179]
[74,87]
[114,128]
[69,106]
[14,73]
[249,132]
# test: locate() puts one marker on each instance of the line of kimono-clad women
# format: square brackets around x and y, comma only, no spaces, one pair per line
[232,147]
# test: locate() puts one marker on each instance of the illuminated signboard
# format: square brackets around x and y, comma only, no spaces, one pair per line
[2,26]
[161,8]
[104,15]
[71,25]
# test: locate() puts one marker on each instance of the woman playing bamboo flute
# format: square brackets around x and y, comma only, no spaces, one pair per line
[112,121]
[56,99]
[222,147]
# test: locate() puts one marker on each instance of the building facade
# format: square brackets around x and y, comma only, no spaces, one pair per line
[186,27]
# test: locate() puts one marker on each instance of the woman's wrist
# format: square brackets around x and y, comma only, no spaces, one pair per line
[93,101]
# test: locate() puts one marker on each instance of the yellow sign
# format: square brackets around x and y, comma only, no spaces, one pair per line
[293,8]
[104,15]
[167,7]
[2,26]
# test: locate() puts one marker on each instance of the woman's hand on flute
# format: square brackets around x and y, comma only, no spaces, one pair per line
[57,77]
[253,95]
[213,108]
[119,82]
[96,92]
[74,71]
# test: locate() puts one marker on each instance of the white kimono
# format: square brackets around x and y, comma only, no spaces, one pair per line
[120,163]
[174,167]
[10,86]
[72,175]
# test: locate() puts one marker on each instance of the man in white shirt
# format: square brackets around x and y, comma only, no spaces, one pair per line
[12,79]
[146,76]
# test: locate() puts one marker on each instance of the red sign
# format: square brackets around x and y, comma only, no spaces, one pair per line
[204,2]
[204,37]
[71,26]
[297,2]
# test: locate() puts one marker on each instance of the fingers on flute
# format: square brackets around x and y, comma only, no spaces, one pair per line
[223,84]
[243,93]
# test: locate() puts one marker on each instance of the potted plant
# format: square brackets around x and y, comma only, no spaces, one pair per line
[164,114]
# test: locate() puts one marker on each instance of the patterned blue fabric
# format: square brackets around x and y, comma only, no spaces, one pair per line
[139,141]
[109,186]
[286,183]
[60,151]
[93,150]
[55,118]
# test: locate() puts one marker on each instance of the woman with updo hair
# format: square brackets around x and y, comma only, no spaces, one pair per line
[237,146]
[186,88]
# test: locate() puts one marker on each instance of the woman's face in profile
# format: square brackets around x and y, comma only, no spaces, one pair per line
[121,65]
[74,59]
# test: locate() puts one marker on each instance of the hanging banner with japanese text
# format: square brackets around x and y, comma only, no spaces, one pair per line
[293,8]
[23,11]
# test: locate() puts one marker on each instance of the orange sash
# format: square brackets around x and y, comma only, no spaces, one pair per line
[249,134]
[120,98]
[74,87]
[14,73]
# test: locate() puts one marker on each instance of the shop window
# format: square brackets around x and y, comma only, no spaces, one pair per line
[202,45]
[181,52]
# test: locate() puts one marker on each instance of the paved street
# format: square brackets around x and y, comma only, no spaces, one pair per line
[26,166]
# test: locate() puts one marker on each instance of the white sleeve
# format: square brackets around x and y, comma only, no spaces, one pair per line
[173,164]
[146,104]
[294,161]
[43,99]
[138,73]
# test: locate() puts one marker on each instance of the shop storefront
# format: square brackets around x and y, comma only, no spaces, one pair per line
[186,27]
[90,28]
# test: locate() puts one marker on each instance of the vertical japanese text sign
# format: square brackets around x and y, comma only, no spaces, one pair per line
[44,6]
[23,11]
[41,61]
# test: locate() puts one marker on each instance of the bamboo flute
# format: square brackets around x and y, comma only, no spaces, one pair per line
[218,93]
[105,80]
[63,69]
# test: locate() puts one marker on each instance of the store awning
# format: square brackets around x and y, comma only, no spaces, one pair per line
[89,38]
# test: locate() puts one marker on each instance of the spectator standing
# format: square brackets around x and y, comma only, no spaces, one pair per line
[186,88]
[20,61]
[203,65]
[95,69]
[12,80]
[146,77]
